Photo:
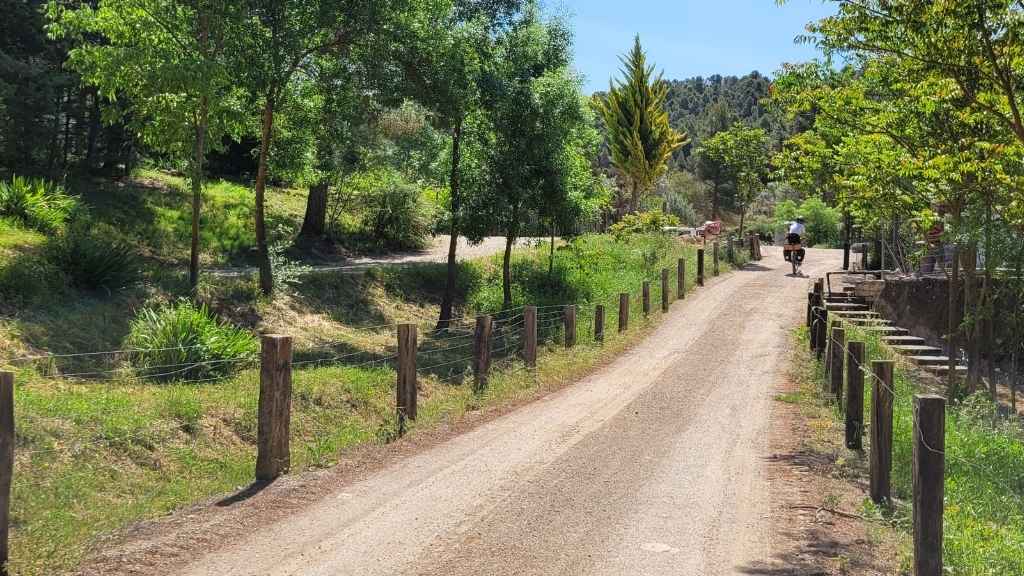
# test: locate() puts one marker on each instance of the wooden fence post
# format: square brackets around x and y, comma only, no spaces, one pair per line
[810,308]
[665,292]
[599,323]
[569,322]
[714,258]
[753,249]
[406,385]
[482,351]
[273,457]
[837,358]
[815,320]
[855,396]
[681,279]
[6,464]
[881,431]
[822,331]
[700,266]
[647,297]
[757,240]
[530,336]
[623,312]
[929,474]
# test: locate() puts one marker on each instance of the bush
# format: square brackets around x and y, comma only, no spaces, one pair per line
[36,203]
[391,213]
[643,223]
[183,341]
[93,260]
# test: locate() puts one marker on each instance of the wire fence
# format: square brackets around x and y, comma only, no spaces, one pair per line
[160,428]
[981,450]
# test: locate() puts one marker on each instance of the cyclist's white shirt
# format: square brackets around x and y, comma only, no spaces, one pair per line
[797,228]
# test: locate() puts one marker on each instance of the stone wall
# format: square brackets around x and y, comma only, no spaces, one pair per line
[920,305]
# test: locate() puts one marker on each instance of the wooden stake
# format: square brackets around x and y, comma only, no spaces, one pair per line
[482,351]
[569,322]
[530,336]
[929,474]
[714,258]
[665,293]
[700,267]
[881,431]
[599,323]
[837,361]
[407,392]
[647,298]
[273,456]
[855,396]
[681,279]
[6,464]
[623,312]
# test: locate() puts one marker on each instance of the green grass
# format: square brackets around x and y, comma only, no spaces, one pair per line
[94,456]
[153,211]
[984,509]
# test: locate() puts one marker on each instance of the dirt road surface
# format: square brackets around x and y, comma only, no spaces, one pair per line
[654,465]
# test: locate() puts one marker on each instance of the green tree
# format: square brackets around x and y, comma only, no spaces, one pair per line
[166,61]
[277,39]
[441,59]
[737,161]
[637,126]
[543,134]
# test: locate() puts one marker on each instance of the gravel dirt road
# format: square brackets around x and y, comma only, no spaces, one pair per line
[654,465]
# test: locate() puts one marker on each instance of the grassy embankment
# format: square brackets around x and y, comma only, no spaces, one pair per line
[984,510]
[95,455]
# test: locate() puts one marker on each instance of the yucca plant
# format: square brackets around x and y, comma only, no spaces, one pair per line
[185,342]
[36,203]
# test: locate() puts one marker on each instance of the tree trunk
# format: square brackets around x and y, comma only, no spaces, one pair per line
[971,311]
[315,222]
[846,241]
[506,272]
[551,254]
[988,302]
[448,300]
[266,274]
[743,216]
[94,131]
[198,157]
[953,324]
[634,198]
[714,201]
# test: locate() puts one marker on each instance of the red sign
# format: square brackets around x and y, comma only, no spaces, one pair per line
[713,228]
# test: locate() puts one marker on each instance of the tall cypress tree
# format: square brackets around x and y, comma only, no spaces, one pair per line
[639,135]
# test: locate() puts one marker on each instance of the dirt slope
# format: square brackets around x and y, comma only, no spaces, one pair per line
[654,465]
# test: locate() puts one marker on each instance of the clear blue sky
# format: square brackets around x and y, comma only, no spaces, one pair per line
[687,38]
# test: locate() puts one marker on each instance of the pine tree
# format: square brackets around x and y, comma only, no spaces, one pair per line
[639,135]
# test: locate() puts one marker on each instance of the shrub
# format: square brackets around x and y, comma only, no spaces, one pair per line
[392,213]
[36,203]
[93,260]
[183,341]
[643,223]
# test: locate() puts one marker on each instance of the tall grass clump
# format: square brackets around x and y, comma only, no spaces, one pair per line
[182,341]
[36,203]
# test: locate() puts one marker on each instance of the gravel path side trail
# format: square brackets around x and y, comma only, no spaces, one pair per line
[653,465]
